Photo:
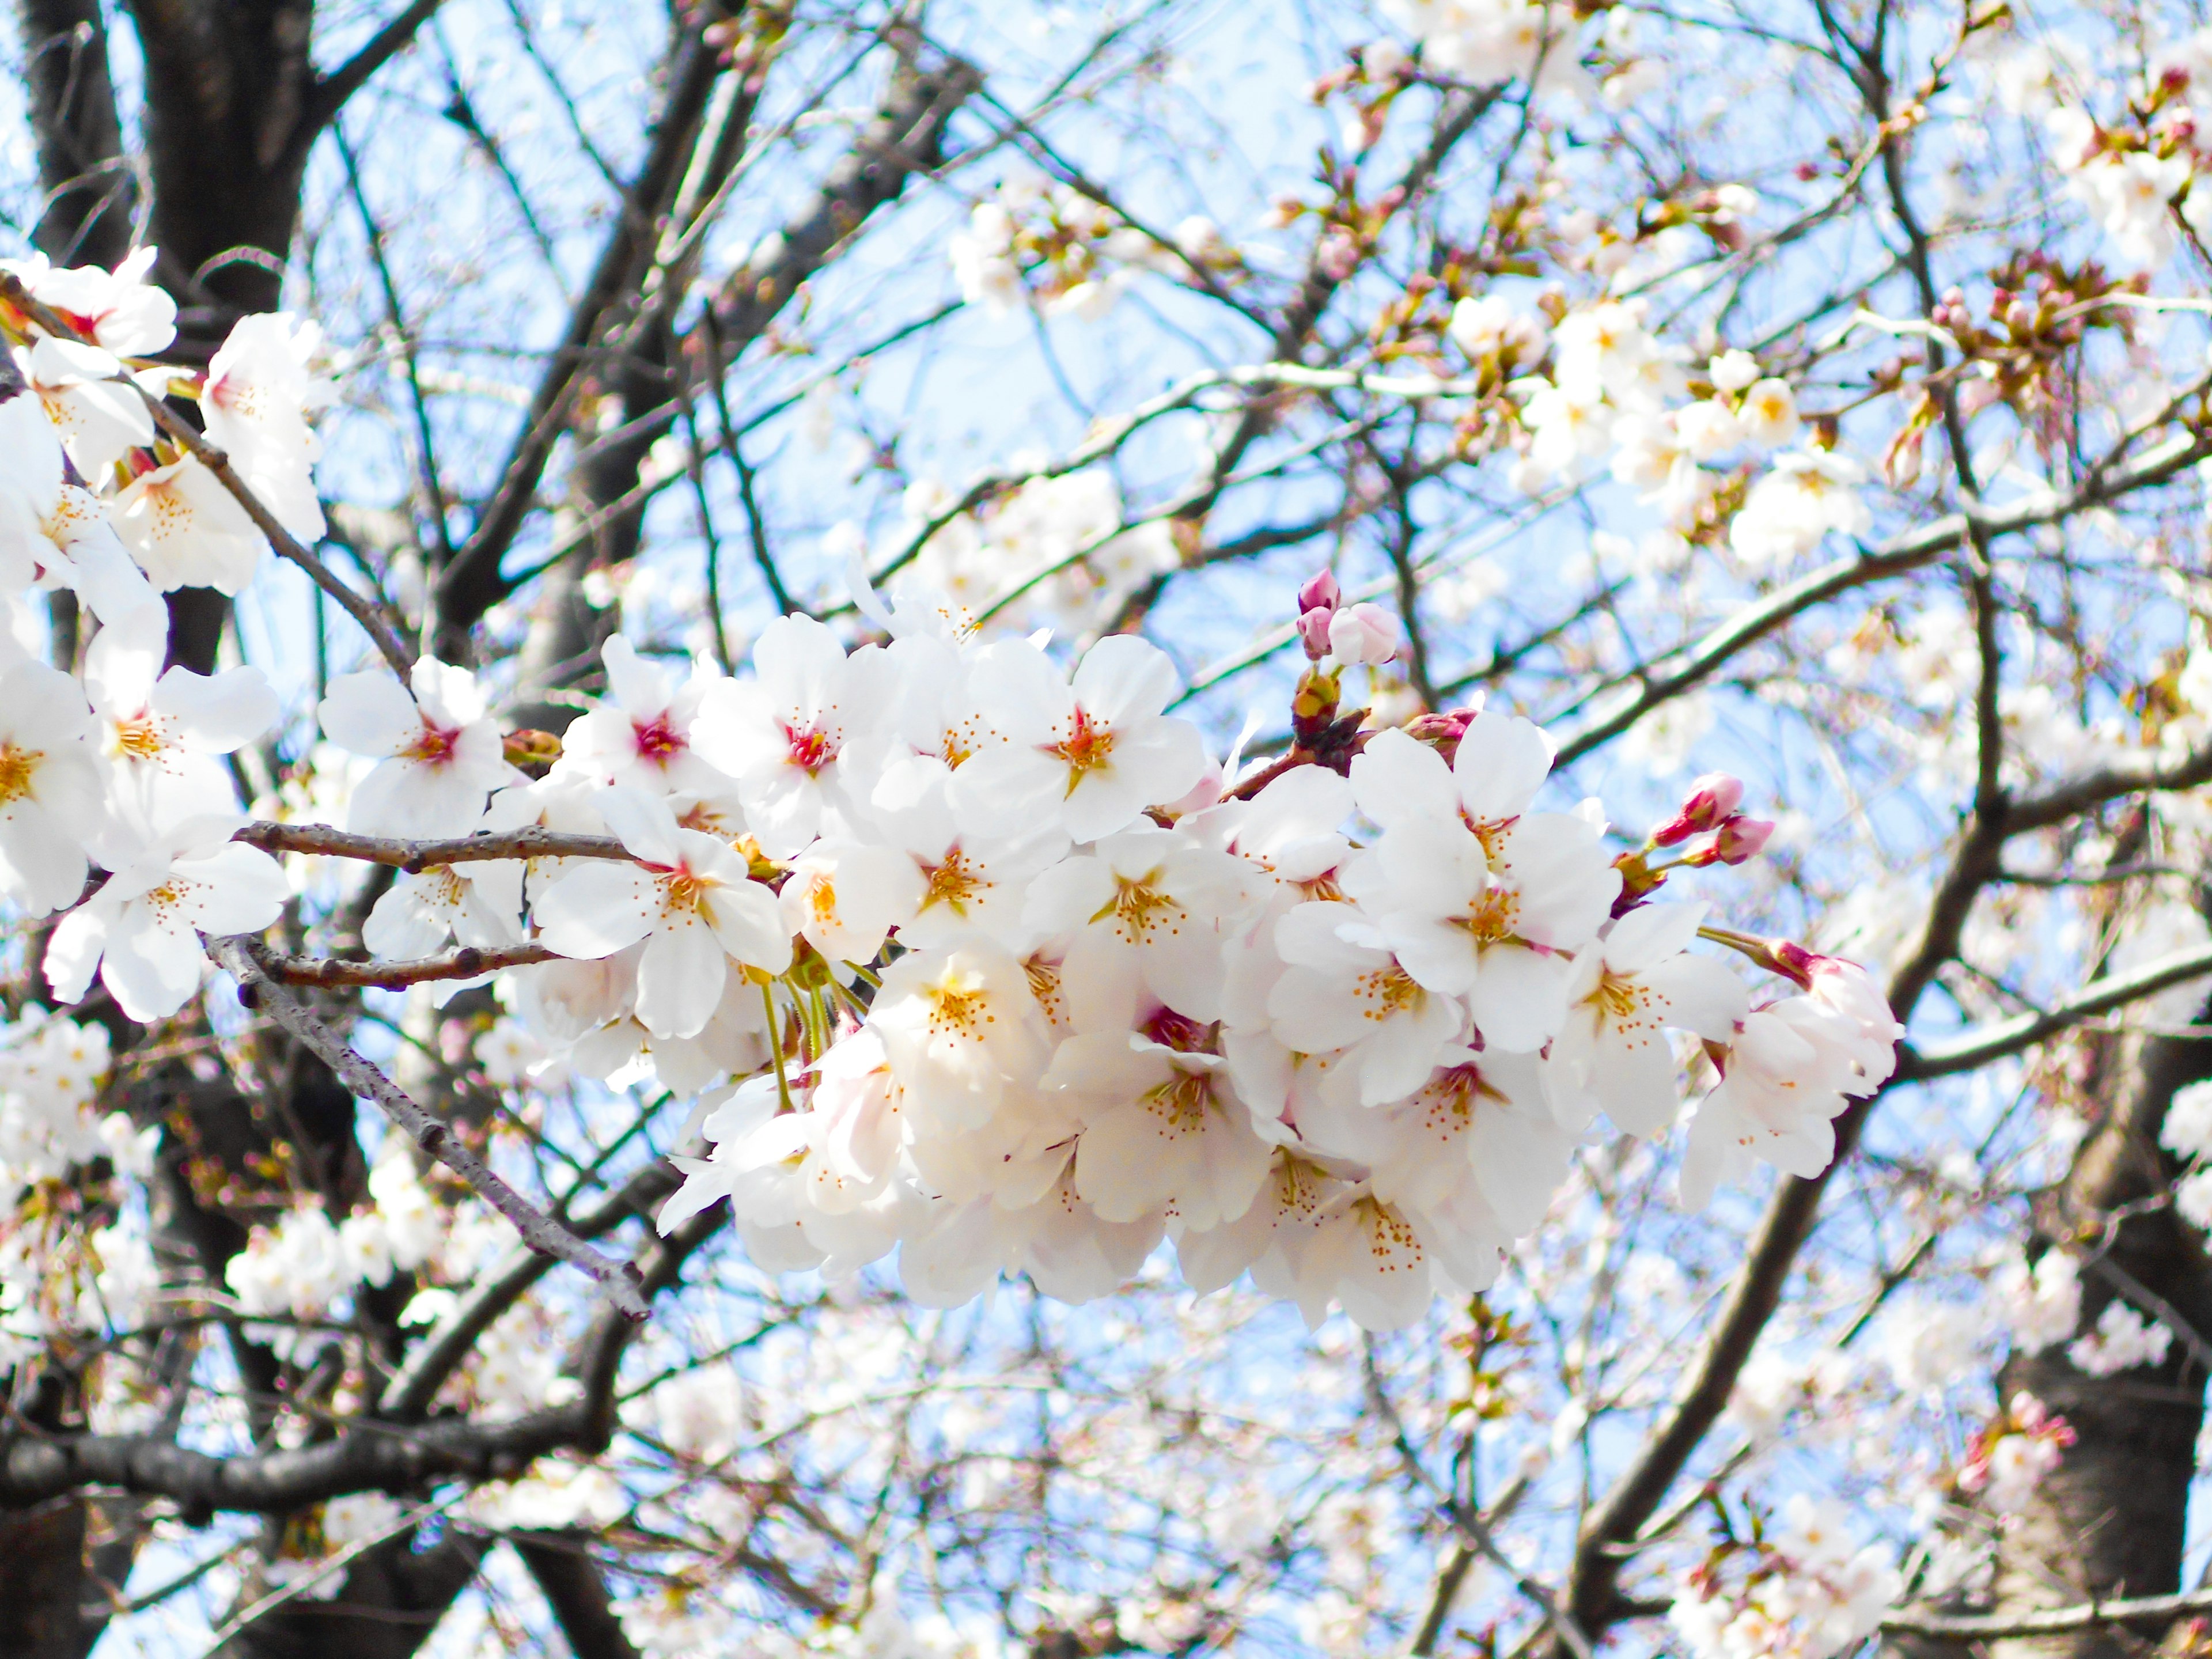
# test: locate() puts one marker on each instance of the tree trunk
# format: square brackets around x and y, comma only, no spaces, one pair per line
[2112,1519]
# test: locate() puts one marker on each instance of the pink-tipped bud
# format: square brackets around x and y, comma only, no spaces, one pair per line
[1742,839]
[1321,592]
[1711,801]
[1442,732]
[1795,960]
[1313,629]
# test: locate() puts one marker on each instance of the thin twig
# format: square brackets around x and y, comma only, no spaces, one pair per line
[241,957]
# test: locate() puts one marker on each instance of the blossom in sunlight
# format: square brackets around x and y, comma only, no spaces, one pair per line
[255,403]
[1091,751]
[55,533]
[689,897]
[437,750]
[160,732]
[49,787]
[187,530]
[141,931]
[123,311]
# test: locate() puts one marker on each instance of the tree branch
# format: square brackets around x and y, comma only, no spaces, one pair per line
[2009,1036]
[239,955]
[330,92]
[415,856]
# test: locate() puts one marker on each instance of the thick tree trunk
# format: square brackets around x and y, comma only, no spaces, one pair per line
[2112,1519]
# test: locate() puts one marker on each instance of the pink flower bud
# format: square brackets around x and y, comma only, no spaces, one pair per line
[1711,799]
[1365,633]
[1442,732]
[1741,839]
[1313,628]
[1321,592]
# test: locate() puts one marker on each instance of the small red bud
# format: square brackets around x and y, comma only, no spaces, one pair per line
[1711,799]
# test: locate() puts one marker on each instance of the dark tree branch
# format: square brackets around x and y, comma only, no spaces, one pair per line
[240,958]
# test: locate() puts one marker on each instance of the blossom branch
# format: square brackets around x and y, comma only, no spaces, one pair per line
[287,545]
[467,962]
[240,958]
[415,856]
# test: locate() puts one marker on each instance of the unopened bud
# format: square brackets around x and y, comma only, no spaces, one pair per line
[1741,839]
[1321,592]
[1711,799]
[1364,634]
[1442,732]
[1313,631]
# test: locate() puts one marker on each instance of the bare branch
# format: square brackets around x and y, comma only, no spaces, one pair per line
[2147,1610]
[239,955]
[467,962]
[415,856]
[2009,1036]
[331,91]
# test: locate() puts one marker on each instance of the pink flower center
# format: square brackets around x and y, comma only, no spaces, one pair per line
[810,750]
[433,744]
[658,741]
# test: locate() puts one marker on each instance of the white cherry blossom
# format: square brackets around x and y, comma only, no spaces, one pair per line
[641,736]
[254,403]
[141,931]
[1627,991]
[438,751]
[49,787]
[56,532]
[783,734]
[187,530]
[159,730]
[689,897]
[1090,752]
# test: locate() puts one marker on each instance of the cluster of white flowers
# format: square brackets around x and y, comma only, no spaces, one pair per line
[1487,40]
[2187,1131]
[1615,391]
[2010,1458]
[2040,1306]
[965,954]
[1053,547]
[1814,1592]
[2122,1341]
[51,1070]
[2137,181]
[304,1263]
[117,769]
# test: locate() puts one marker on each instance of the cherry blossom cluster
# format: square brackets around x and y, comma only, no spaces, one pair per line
[963,951]
[1803,1592]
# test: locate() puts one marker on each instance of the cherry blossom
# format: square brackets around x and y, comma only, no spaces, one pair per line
[160,731]
[689,897]
[123,311]
[141,931]
[1612,1054]
[254,404]
[781,734]
[55,532]
[642,736]
[1090,752]
[49,787]
[438,752]
[187,530]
